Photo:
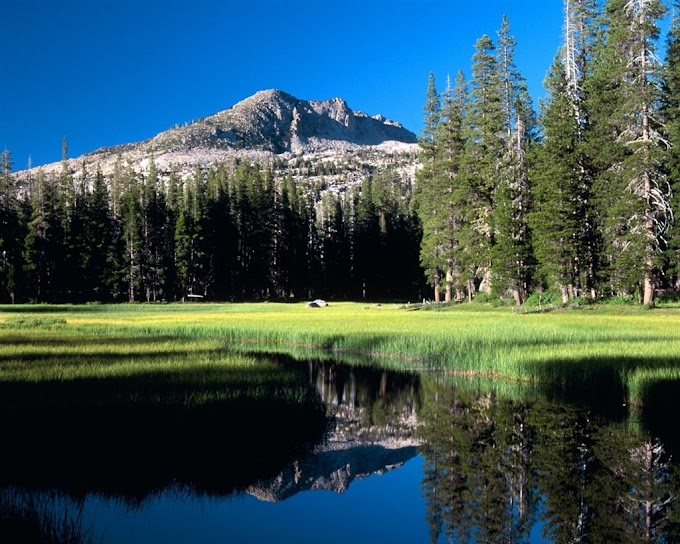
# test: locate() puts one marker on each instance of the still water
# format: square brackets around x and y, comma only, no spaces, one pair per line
[359,455]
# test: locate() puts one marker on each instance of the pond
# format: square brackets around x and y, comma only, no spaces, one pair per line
[335,453]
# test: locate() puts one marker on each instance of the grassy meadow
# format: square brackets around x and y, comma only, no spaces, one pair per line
[591,347]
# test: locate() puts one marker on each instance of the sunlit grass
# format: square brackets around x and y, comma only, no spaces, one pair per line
[565,347]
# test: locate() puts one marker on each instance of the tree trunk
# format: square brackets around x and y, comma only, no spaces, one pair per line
[447,287]
[517,296]
[565,293]
[648,296]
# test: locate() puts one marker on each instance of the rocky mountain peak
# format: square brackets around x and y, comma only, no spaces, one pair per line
[276,121]
[268,125]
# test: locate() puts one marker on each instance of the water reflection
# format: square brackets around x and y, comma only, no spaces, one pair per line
[373,429]
[495,468]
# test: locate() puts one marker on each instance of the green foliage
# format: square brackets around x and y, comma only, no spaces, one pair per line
[473,192]
[544,298]
[621,300]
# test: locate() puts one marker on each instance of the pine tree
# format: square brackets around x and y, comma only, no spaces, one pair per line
[130,209]
[220,235]
[11,231]
[485,149]
[44,243]
[336,254]
[558,217]
[366,235]
[511,255]
[190,238]
[671,114]
[155,246]
[77,243]
[100,236]
[626,145]
[432,118]
[289,242]
[439,196]
[428,192]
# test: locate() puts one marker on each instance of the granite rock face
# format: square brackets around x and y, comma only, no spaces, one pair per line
[269,128]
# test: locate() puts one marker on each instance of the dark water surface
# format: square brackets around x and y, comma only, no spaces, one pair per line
[332,453]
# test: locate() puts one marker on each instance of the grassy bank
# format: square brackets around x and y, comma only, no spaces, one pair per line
[626,347]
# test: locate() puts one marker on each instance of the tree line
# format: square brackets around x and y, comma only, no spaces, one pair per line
[229,232]
[578,199]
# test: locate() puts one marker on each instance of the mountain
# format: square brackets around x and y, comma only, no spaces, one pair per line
[277,122]
[270,126]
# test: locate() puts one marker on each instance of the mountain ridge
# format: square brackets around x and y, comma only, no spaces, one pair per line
[270,127]
[270,122]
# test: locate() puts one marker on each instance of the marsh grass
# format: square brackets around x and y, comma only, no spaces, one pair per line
[31,322]
[620,347]
[45,518]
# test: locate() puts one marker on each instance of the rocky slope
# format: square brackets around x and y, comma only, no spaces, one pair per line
[270,127]
[276,122]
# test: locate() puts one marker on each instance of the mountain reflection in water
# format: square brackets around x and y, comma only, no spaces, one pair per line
[372,429]
[495,468]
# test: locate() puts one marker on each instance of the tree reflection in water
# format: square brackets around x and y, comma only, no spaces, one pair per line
[495,467]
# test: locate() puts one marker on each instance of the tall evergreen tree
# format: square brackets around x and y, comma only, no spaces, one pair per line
[77,243]
[511,252]
[131,235]
[485,149]
[336,263]
[562,222]
[428,191]
[220,236]
[11,231]
[558,217]
[190,238]
[44,243]
[100,233]
[440,198]
[626,144]
[366,234]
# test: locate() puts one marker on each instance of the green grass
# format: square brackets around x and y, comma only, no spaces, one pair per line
[606,346]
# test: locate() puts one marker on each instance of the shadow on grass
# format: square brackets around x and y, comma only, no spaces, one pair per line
[90,341]
[602,384]
[660,413]
[53,308]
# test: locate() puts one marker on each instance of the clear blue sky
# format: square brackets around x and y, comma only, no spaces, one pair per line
[104,72]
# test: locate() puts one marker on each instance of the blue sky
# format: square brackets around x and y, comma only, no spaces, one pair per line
[104,72]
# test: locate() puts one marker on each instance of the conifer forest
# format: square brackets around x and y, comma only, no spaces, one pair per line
[579,199]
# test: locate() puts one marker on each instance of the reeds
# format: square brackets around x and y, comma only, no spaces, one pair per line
[576,348]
